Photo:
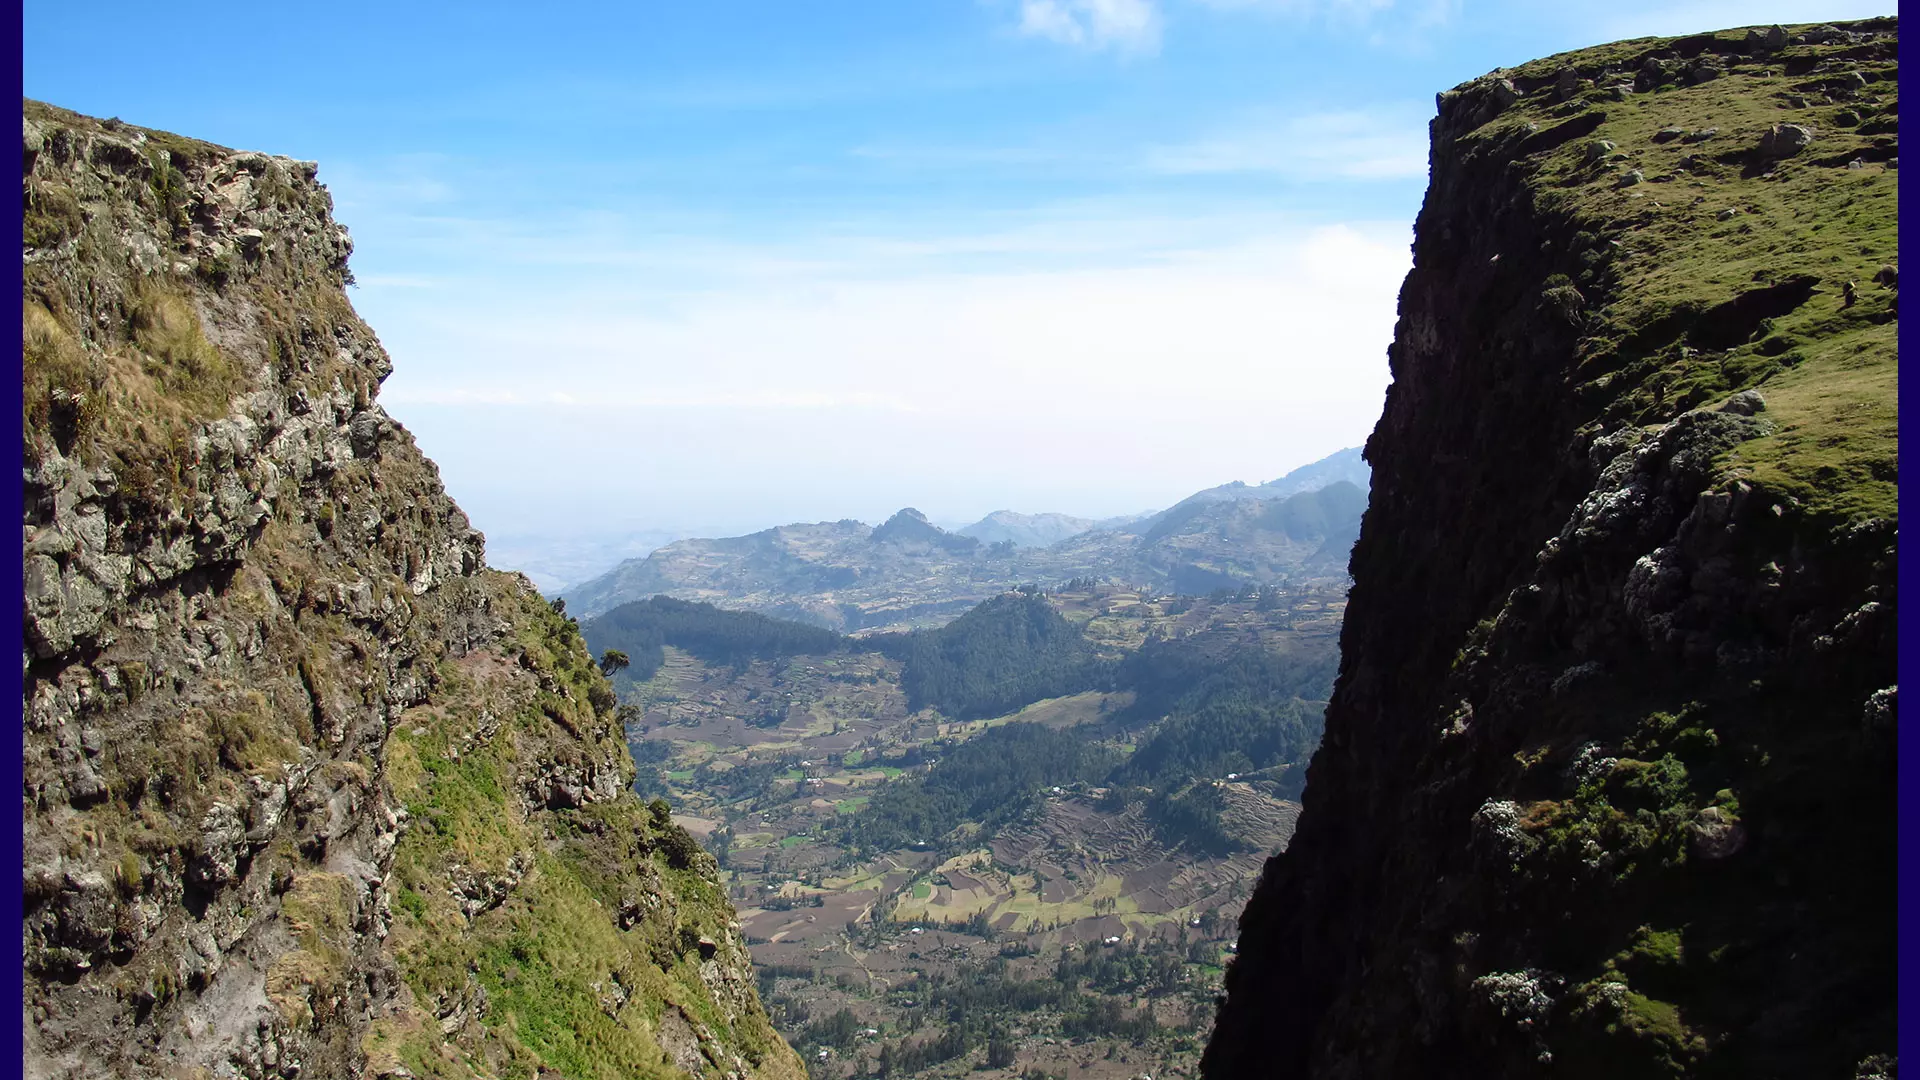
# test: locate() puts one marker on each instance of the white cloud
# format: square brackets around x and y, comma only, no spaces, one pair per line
[1180,354]
[1093,356]
[626,399]
[1345,11]
[1136,25]
[1387,21]
[1352,145]
[1123,25]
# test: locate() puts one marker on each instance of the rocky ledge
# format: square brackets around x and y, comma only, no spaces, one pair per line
[1608,783]
[309,789]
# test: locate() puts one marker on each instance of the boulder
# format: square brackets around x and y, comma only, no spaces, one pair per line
[1716,834]
[1783,141]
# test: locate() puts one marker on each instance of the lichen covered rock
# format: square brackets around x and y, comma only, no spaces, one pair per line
[310,790]
[1607,785]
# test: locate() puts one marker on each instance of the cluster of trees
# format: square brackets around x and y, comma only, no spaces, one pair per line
[1097,1016]
[975,925]
[976,1000]
[837,1030]
[1008,652]
[908,1059]
[768,977]
[1243,715]
[650,758]
[1128,968]
[1215,707]
[1193,818]
[1243,712]
[751,781]
[1005,653]
[1237,711]
[974,1006]
[640,629]
[1170,674]
[788,903]
[992,778]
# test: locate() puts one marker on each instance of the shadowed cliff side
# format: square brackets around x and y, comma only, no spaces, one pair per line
[1607,786]
[309,790]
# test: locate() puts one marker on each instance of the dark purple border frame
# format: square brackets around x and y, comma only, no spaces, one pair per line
[15,770]
[1909,748]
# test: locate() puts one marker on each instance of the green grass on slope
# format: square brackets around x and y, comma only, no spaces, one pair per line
[565,987]
[1708,222]
[1704,270]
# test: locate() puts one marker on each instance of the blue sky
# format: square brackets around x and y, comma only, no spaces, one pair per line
[709,267]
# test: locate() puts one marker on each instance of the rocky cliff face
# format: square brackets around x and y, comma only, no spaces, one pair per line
[1607,787]
[309,789]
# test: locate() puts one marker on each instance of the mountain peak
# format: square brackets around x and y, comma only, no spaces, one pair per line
[910,526]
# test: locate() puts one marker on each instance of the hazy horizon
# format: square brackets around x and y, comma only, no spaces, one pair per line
[710,269]
[575,550]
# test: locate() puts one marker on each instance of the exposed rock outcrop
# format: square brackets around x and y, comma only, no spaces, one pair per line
[1607,785]
[310,791]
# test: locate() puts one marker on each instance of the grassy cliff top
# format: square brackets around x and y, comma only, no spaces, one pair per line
[1724,191]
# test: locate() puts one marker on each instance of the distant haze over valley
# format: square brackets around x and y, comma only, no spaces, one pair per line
[568,552]
[847,575]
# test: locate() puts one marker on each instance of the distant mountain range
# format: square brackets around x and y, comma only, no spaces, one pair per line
[1026,530]
[907,571]
[554,562]
[1341,465]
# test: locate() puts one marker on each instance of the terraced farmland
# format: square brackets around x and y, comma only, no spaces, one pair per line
[768,759]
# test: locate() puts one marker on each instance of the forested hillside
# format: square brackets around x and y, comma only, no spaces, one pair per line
[925,830]
[642,629]
[1011,651]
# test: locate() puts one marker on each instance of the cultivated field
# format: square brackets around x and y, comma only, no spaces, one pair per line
[763,760]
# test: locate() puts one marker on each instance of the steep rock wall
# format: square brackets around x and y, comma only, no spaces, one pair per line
[1607,786]
[309,789]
